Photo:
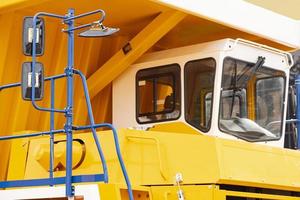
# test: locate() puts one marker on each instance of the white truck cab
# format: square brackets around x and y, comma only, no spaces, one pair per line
[228,88]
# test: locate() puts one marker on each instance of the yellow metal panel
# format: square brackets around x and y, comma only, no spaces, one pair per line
[10,5]
[258,195]
[174,127]
[109,191]
[17,163]
[118,192]
[154,158]
[99,52]
[192,192]
[222,194]
[102,105]
[6,59]
[92,48]
[257,165]
[150,157]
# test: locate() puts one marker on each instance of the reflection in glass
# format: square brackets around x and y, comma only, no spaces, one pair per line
[199,83]
[158,94]
[251,101]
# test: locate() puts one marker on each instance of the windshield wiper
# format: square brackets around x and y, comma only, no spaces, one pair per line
[248,73]
[241,81]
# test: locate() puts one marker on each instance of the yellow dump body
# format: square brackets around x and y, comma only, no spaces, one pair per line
[212,168]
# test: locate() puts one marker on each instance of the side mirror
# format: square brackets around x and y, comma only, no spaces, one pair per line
[28,36]
[27,81]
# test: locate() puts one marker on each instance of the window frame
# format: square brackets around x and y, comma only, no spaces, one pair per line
[282,116]
[155,75]
[201,128]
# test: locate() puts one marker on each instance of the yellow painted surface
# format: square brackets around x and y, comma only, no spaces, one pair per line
[179,127]
[17,162]
[154,158]
[119,192]
[190,192]
[11,5]
[90,54]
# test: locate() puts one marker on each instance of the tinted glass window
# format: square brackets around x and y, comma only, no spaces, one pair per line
[251,100]
[199,82]
[158,94]
[269,103]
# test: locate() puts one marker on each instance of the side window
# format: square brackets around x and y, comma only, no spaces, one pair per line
[158,94]
[199,83]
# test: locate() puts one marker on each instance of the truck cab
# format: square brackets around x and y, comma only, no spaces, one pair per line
[228,88]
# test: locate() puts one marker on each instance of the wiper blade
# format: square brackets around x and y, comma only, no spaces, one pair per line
[248,74]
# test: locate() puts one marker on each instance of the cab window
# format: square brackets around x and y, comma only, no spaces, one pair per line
[158,94]
[254,97]
[199,82]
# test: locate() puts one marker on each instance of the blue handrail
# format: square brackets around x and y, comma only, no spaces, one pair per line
[93,127]
[68,128]
[92,122]
[52,181]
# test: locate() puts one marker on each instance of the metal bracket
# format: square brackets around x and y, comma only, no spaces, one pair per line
[69,71]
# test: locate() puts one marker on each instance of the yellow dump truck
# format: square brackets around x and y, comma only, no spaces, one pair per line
[142,99]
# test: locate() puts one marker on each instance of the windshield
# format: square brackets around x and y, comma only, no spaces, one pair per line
[251,105]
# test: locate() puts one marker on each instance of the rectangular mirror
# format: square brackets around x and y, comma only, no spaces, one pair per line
[27,81]
[28,36]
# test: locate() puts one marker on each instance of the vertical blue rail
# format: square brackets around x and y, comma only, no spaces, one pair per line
[51,168]
[69,109]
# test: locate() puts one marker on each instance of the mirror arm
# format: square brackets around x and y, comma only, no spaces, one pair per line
[83,15]
[40,14]
[77,27]
[87,14]
[34,62]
